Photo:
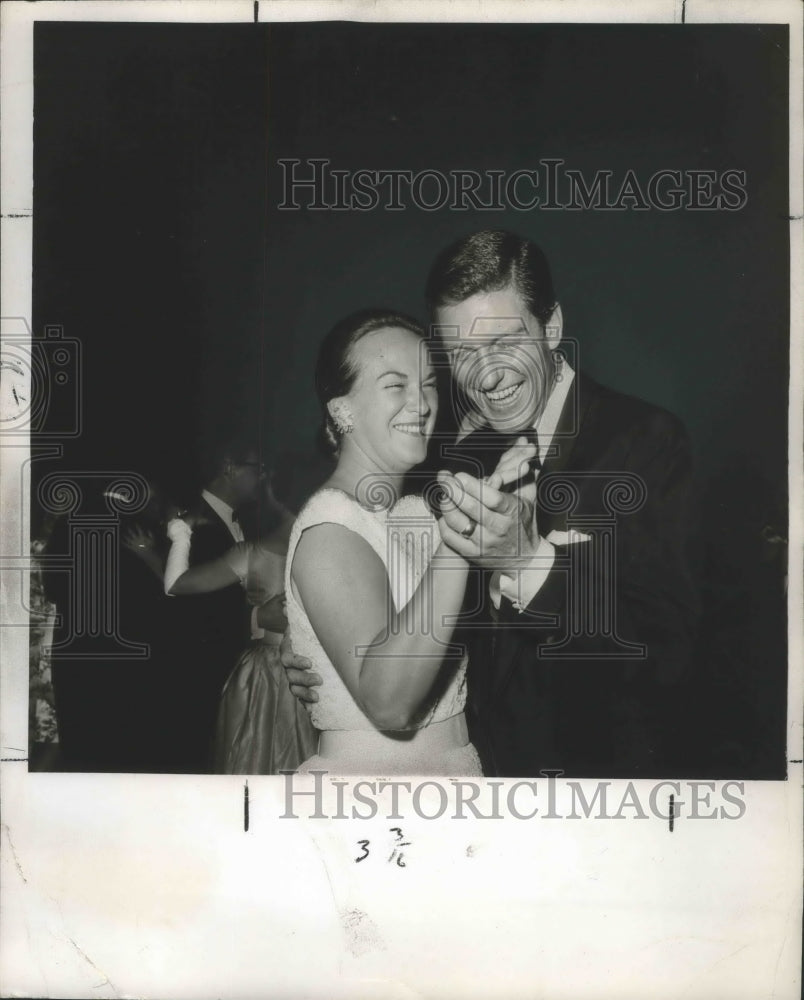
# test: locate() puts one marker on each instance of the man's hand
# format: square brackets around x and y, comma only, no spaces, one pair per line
[505,535]
[271,615]
[301,678]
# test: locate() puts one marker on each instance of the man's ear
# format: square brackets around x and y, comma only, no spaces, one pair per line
[554,327]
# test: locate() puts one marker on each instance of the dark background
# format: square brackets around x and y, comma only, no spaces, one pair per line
[199,306]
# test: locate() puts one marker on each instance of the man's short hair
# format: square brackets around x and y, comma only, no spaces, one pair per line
[488,261]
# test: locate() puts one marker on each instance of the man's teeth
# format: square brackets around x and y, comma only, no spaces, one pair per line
[417,429]
[503,395]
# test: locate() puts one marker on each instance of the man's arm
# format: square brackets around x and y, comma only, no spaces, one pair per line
[654,600]
[271,614]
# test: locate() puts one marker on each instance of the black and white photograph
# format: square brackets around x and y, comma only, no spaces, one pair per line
[402,430]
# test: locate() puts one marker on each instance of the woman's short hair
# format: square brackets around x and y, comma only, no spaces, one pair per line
[488,261]
[336,371]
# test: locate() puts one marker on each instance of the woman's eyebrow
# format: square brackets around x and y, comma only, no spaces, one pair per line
[395,374]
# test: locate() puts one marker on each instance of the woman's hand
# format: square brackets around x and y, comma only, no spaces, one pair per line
[273,614]
[142,542]
[191,517]
[451,492]
[513,465]
[139,539]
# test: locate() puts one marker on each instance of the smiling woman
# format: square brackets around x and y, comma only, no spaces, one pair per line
[389,388]
[370,590]
[392,405]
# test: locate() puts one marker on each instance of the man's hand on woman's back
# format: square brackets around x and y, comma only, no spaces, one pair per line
[299,671]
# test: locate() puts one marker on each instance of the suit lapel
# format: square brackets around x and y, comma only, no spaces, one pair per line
[214,517]
[566,447]
[574,414]
[213,538]
[478,454]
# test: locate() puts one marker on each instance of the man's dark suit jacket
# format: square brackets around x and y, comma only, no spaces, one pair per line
[212,631]
[548,687]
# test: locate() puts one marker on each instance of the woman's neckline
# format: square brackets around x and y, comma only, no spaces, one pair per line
[370,510]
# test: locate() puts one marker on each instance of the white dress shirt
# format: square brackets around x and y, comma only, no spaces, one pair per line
[226,514]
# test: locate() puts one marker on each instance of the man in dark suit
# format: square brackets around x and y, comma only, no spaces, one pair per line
[212,629]
[582,612]
[589,610]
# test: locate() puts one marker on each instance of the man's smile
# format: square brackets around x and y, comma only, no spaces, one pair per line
[501,397]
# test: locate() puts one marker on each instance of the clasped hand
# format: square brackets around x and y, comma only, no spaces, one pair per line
[505,533]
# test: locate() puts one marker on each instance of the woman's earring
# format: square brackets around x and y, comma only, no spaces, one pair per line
[342,419]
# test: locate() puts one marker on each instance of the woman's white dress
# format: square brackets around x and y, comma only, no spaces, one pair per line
[404,538]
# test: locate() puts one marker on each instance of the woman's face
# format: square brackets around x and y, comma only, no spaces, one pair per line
[394,399]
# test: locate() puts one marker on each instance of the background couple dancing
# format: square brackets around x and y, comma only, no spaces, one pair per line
[375,592]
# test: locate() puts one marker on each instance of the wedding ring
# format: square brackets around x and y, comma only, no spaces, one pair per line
[469,530]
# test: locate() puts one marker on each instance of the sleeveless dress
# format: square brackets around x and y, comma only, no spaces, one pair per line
[404,538]
[262,728]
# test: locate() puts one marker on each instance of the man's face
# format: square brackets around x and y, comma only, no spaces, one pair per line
[246,476]
[499,357]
